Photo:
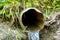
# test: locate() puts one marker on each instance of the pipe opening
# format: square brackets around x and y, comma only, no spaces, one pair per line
[31,17]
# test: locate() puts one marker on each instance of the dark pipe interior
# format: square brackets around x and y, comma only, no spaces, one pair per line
[29,18]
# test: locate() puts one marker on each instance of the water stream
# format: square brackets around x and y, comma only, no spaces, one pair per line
[33,35]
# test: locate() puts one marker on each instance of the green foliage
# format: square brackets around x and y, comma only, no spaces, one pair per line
[11,7]
[8,7]
[28,4]
[50,6]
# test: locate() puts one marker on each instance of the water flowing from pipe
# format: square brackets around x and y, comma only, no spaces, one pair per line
[33,35]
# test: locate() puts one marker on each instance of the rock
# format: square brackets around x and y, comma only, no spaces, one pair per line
[50,28]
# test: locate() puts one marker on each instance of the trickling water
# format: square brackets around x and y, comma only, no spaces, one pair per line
[33,35]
